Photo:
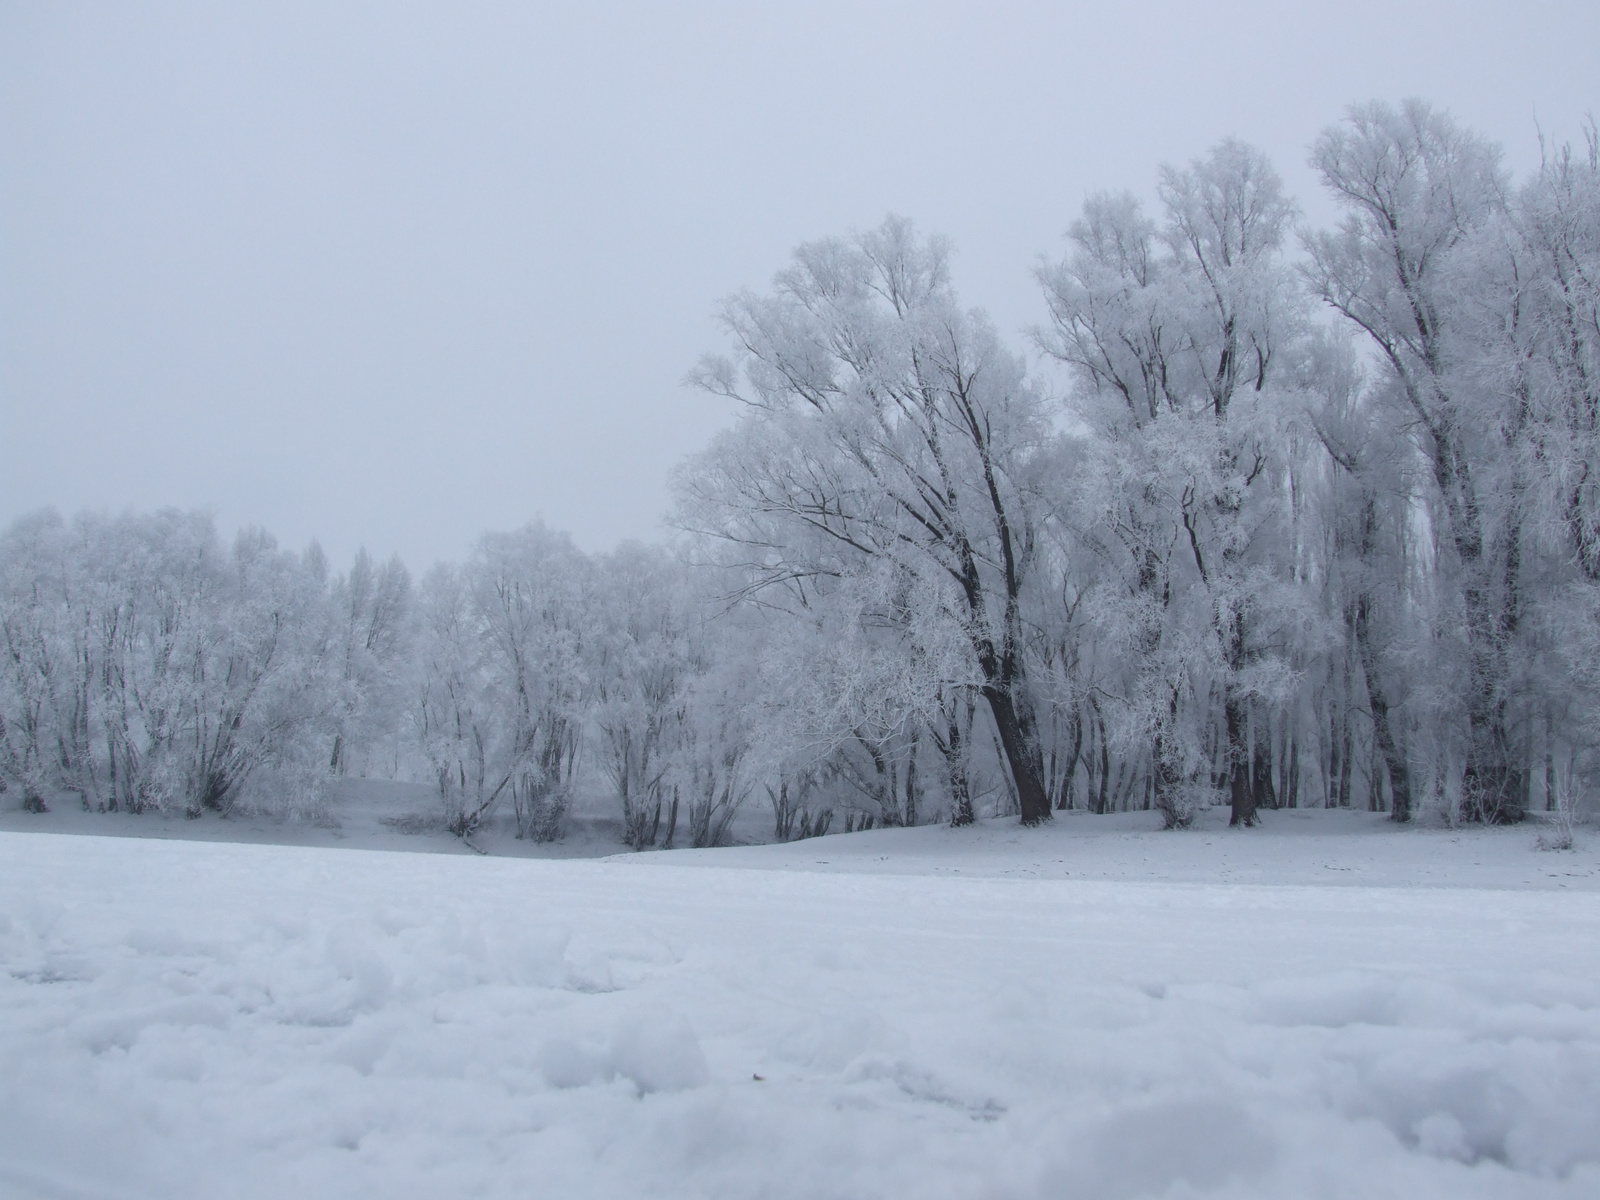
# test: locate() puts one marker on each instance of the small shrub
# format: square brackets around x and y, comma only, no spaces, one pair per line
[1562,819]
[858,822]
[546,818]
[814,826]
[1182,804]
[413,823]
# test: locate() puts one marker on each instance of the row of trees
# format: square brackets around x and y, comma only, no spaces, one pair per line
[145,666]
[1272,517]
[148,667]
[1319,512]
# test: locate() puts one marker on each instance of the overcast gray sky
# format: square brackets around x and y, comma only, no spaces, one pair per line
[393,274]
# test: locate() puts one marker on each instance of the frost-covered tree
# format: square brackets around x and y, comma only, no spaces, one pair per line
[1362,507]
[882,422]
[863,686]
[31,645]
[1177,337]
[501,703]
[1422,194]
[263,671]
[1536,324]
[147,667]
[643,660]
[373,644]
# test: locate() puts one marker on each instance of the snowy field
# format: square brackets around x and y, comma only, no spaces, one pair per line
[1326,1007]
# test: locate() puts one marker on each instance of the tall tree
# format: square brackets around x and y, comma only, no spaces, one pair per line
[1418,189]
[1175,337]
[883,422]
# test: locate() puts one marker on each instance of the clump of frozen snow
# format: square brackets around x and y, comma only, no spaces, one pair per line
[655,1050]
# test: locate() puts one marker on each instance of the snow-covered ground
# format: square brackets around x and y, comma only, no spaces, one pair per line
[1325,1007]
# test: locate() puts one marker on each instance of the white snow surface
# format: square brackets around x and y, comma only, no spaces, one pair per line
[1324,1008]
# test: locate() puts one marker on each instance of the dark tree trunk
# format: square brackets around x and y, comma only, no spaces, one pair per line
[1241,796]
[1346,761]
[672,819]
[1166,777]
[1549,764]
[1330,773]
[1118,800]
[1493,783]
[1065,784]
[1265,794]
[960,795]
[911,780]
[952,747]
[1394,761]
[1099,769]
[1014,725]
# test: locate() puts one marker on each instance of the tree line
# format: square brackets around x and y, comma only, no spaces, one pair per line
[1261,516]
